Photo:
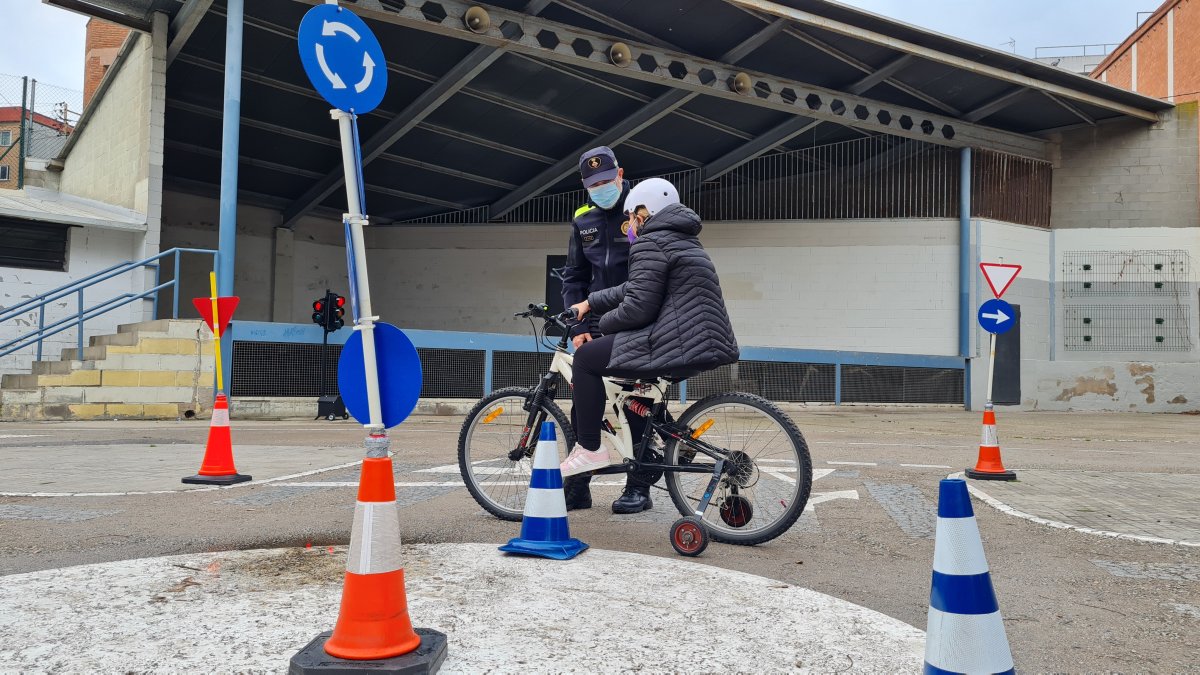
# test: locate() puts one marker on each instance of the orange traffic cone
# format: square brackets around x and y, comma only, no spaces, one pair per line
[217,467]
[989,466]
[373,623]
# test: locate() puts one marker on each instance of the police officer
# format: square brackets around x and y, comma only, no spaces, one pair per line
[598,258]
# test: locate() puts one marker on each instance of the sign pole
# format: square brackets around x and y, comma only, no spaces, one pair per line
[361,294]
[991,368]
[216,326]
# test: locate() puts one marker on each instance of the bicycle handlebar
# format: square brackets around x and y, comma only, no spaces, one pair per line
[543,312]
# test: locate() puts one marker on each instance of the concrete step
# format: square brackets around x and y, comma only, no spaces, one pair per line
[123,339]
[175,328]
[36,412]
[90,354]
[18,382]
[56,367]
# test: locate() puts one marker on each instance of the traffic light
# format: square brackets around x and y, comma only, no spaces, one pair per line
[338,307]
[329,310]
[318,316]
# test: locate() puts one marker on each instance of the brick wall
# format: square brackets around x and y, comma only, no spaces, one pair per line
[1154,74]
[103,40]
[12,159]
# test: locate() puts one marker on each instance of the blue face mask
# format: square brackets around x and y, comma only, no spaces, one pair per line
[605,196]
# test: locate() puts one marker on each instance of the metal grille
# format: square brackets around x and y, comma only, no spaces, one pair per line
[895,384]
[1132,328]
[451,373]
[479,214]
[880,176]
[1010,188]
[524,369]
[1089,274]
[774,381]
[283,369]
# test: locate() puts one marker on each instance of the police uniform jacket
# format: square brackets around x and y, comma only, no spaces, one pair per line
[597,256]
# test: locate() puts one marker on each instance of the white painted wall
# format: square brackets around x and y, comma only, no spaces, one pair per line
[89,250]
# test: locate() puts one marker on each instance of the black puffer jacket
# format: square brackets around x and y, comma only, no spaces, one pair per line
[669,316]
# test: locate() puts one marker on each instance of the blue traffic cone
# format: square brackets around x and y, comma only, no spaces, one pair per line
[544,530]
[965,633]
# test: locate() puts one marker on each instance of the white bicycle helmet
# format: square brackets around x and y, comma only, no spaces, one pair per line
[653,193]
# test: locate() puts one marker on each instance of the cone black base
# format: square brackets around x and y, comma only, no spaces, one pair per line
[428,658]
[231,479]
[980,475]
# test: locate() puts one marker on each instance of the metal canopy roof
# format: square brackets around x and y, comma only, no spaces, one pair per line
[496,118]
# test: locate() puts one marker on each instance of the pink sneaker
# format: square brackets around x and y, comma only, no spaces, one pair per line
[582,460]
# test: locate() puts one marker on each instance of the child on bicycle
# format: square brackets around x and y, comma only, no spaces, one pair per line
[669,318]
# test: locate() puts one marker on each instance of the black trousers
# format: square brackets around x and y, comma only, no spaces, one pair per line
[591,364]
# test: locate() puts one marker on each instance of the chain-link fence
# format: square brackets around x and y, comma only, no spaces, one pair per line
[35,121]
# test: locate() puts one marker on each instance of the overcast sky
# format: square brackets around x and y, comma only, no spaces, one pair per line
[46,43]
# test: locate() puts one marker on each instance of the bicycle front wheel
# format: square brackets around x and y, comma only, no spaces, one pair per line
[496,444]
[770,471]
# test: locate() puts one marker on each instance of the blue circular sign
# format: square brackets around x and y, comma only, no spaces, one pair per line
[399,369]
[342,59]
[997,316]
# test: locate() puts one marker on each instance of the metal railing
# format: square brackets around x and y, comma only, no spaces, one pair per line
[78,287]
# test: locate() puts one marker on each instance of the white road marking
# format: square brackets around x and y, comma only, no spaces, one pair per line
[265,481]
[1005,508]
[820,497]
[23,436]
[926,466]
[854,463]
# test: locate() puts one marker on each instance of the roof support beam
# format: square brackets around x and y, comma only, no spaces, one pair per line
[995,105]
[884,73]
[88,9]
[429,100]
[939,56]
[625,129]
[636,33]
[184,24]
[531,35]
[866,68]
[1074,109]
[772,138]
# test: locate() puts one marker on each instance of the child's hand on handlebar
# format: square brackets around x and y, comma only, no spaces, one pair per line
[581,309]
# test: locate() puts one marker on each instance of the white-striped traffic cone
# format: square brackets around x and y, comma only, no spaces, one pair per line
[544,529]
[373,623]
[965,633]
[989,466]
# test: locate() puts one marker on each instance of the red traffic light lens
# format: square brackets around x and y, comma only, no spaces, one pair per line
[318,306]
[340,301]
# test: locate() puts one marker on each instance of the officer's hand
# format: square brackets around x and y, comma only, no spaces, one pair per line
[580,339]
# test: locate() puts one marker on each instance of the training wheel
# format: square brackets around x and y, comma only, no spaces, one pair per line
[345,416]
[689,536]
[331,417]
[736,511]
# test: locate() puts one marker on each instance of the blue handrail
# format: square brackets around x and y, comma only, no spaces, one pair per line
[78,286]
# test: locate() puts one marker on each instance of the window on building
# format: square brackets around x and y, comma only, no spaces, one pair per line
[5,139]
[36,246]
[3,173]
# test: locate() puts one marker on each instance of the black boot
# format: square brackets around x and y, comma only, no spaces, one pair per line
[635,499]
[578,491]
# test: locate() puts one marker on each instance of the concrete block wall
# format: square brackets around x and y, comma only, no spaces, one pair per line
[89,250]
[107,161]
[1129,174]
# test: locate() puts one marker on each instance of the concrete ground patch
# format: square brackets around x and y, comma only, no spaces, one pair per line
[251,610]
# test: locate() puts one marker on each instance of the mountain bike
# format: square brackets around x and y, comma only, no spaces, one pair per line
[736,466]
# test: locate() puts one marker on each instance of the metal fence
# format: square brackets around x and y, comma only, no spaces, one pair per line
[873,177]
[35,121]
[468,365]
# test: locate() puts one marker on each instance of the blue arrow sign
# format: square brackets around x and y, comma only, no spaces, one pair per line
[342,59]
[997,316]
[399,375]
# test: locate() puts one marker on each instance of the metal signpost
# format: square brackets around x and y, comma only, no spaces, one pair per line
[996,316]
[379,378]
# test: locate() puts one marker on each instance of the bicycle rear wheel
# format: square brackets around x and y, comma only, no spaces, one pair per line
[771,477]
[496,444]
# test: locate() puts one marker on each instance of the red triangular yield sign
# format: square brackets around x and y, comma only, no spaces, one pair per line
[225,307]
[999,276]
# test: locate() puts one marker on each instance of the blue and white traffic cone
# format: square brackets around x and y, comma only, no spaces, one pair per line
[544,529]
[965,633]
